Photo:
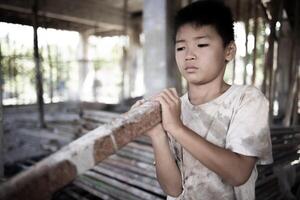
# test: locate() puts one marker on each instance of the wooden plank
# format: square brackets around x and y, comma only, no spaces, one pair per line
[75,195]
[107,189]
[141,147]
[91,188]
[143,140]
[134,179]
[132,154]
[55,171]
[120,190]
[130,165]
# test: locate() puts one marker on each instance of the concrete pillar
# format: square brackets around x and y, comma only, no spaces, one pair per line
[160,70]
[134,52]
[84,88]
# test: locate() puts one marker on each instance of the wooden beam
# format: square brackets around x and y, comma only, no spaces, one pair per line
[89,12]
[57,170]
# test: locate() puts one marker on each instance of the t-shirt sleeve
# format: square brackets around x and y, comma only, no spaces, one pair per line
[249,132]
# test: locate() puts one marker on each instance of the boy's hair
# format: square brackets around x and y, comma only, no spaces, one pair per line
[208,12]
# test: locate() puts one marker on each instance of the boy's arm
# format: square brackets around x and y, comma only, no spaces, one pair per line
[232,167]
[167,171]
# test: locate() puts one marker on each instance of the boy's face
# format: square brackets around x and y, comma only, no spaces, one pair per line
[200,54]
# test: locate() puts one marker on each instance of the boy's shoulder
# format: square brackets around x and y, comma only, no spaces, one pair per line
[236,95]
[251,93]
[244,97]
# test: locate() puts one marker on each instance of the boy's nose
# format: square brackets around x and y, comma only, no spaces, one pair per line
[190,55]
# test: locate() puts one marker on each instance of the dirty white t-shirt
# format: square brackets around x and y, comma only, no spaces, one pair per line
[236,120]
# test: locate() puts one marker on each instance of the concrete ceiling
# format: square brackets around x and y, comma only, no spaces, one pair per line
[98,16]
[105,17]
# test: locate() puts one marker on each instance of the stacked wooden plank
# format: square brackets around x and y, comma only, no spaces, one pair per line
[58,168]
[129,174]
[273,179]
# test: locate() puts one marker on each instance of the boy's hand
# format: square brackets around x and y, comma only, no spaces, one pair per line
[171,109]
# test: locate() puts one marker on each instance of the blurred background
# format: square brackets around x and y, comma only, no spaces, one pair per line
[69,66]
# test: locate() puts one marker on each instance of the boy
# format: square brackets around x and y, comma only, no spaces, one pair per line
[211,138]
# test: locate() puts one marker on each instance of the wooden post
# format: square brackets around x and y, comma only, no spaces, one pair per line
[295,70]
[51,73]
[237,18]
[297,64]
[296,100]
[10,76]
[39,84]
[247,27]
[265,72]
[57,170]
[1,119]
[269,64]
[253,79]
[14,74]
[58,66]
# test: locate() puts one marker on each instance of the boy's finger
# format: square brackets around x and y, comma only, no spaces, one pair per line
[174,91]
[162,100]
[169,100]
[171,95]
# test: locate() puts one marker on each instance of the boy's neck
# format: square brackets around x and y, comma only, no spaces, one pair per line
[200,94]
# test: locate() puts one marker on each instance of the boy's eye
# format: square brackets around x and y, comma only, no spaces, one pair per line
[202,45]
[179,48]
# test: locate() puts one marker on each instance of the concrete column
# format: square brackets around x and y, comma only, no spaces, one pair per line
[133,59]
[83,68]
[160,70]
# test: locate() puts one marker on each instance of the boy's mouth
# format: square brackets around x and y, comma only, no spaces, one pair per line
[190,68]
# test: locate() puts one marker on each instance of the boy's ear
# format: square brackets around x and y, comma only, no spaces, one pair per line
[230,51]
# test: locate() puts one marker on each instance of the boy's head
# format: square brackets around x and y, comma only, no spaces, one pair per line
[204,41]
[208,12]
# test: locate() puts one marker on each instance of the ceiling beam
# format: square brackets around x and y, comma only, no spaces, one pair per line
[89,12]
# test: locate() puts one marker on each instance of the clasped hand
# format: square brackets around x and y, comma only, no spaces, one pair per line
[171,110]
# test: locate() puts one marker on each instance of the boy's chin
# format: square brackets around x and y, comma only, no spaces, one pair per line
[195,82]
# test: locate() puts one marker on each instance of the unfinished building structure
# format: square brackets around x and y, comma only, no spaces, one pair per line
[28,133]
